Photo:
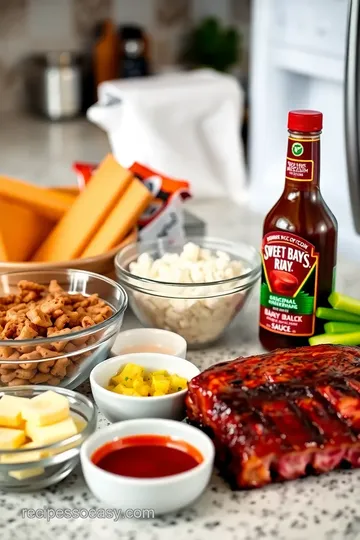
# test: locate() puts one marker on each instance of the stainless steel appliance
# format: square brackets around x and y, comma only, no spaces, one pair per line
[352,109]
[54,84]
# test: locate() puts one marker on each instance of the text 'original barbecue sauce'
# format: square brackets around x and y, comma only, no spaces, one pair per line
[299,243]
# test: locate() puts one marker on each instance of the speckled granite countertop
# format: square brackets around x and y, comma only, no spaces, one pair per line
[317,508]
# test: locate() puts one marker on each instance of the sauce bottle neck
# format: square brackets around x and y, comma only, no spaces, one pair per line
[303,161]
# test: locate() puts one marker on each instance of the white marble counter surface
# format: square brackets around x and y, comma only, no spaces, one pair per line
[317,508]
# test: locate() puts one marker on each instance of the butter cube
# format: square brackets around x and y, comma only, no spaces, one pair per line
[27,473]
[79,422]
[46,409]
[42,435]
[25,457]
[36,454]
[10,411]
[55,451]
[11,438]
[31,444]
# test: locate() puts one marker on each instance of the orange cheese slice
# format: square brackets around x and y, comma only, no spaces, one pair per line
[121,220]
[41,200]
[21,231]
[75,230]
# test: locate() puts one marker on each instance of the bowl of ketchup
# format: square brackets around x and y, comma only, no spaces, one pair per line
[154,465]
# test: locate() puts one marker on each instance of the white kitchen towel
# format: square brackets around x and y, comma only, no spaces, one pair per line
[186,125]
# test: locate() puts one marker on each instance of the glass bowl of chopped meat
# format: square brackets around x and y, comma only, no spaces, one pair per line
[55,326]
[195,287]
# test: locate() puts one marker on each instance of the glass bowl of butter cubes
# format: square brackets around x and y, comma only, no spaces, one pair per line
[194,288]
[41,431]
[56,325]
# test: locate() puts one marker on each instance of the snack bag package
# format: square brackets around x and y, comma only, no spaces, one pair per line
[164,216]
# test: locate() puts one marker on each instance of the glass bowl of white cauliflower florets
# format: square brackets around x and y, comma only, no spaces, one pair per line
[194,288]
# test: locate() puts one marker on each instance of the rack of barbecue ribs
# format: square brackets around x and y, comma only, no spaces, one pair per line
[281,415]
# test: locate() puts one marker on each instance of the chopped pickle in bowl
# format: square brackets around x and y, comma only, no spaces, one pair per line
[134,380]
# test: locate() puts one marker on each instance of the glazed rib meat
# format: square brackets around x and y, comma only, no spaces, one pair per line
[281,415]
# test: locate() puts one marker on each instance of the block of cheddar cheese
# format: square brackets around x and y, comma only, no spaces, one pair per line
[121,220]
[22,231]
[73,191]
[50,204]
[74,231]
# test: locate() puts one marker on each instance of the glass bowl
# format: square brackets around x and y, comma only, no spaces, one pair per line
[200,312]
[59,458]
[65,360]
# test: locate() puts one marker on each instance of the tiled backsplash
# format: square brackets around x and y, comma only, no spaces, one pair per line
[28,26]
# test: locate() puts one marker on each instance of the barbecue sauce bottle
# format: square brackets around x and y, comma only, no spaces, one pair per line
[299,243]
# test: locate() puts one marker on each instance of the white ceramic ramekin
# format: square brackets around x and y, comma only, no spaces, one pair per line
[117,407]
[160,495]
[149,338]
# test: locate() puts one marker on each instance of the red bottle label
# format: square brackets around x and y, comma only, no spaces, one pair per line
[300,160]
[289,284]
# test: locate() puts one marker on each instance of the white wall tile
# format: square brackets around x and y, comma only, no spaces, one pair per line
[13,32]
[204,8]
[141,12]
[36,25]
[51,24]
